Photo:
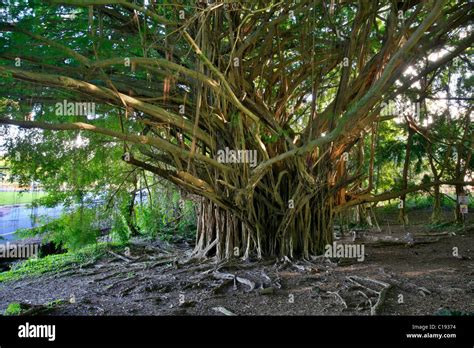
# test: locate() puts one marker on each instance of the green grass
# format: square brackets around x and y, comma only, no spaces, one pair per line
[10,197]
[421,202]
[13,308]
[54,263]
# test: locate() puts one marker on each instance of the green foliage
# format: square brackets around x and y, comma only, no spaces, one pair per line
[13,308]
[54,263]
[169,217]
[7,104]
[420,201]
[121,232]
[123,225]
[149,220]
[23,308]
[273,138]
[55,303]
[443,226]
[74,165]
[74,230]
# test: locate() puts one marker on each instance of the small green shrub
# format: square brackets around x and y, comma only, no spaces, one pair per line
[172,219]
[74,230]
[13,309]
[120,232]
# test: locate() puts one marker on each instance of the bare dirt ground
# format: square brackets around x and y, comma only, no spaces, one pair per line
[396,278]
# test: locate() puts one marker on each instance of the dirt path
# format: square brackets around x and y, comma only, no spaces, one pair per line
[422,279]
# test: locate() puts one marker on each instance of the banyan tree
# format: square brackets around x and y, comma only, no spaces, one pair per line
[299,85]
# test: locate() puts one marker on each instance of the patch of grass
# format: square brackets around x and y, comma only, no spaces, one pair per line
[13,308]
[16,308]
[11,197]
[447,225]
[418,201]
[54,263]
[55,303]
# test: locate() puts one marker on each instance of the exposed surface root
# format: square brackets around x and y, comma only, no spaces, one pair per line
[392,280]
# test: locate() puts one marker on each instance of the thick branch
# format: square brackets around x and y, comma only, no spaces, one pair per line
[138,139]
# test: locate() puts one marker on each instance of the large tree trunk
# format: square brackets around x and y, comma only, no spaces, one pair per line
[436,215]
[402,216]
[130,216]
[300,229]
[458,216]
